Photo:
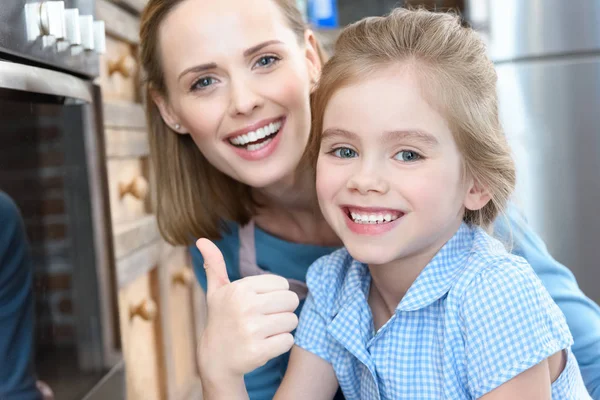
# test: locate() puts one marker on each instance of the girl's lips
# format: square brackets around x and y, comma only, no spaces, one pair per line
[263,152]
[371,229]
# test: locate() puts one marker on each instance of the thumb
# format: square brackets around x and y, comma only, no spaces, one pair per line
[214,264]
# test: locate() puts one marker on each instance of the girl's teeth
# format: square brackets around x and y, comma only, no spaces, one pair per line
[372,218]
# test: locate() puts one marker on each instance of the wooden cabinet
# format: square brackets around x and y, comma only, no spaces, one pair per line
[141,337]
[161,306]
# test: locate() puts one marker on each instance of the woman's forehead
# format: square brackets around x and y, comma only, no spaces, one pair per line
[215,20]
[208,31]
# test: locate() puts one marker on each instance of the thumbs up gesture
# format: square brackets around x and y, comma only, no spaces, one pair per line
[249,320]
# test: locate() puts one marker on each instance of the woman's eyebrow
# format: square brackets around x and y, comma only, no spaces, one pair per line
[197,68]
[258,47]
[208,66]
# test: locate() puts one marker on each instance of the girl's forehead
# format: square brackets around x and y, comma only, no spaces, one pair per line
[388,96]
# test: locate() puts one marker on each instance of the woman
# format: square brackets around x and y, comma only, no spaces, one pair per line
[229,120]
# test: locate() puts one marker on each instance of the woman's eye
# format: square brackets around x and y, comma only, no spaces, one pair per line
[266,61]
[344,152]
[203,83]
[407,156]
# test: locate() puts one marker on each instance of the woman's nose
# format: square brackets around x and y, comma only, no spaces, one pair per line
[244,98]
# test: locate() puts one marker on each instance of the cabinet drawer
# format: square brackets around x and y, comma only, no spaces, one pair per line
[119,72]
[181,340]
[128,185]
[141,338]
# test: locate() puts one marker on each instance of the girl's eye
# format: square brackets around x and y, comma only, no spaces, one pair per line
[266,61]
[202,83]
[407,156]
[344,152]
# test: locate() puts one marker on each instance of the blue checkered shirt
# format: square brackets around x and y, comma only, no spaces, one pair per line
[474,318]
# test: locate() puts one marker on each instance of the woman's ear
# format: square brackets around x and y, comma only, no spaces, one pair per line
[313,56]
[477,196]
[167,113]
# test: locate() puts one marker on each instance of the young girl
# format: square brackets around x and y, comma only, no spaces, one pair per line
[412,167]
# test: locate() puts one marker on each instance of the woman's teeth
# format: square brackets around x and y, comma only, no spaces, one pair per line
[250,139]
[379,218]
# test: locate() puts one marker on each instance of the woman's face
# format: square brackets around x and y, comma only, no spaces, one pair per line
[238,81]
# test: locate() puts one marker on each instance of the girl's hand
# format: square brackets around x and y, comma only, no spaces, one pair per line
[249,321]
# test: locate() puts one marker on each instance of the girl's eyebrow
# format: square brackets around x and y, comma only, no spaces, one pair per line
[411,134]
[336,132]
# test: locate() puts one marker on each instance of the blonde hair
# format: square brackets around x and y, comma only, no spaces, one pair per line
[193,198]
[456,76]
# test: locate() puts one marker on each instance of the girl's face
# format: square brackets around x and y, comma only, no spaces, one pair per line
[238,82]
[389,174]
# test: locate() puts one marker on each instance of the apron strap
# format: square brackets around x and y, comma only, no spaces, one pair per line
[248,265]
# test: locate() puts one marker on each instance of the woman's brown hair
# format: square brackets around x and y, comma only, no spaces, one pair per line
[192,197]
[456,76]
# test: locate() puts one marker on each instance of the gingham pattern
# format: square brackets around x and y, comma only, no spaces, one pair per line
[475,317]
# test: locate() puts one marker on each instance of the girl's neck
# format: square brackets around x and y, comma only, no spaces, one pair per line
[391,281]
[289,210]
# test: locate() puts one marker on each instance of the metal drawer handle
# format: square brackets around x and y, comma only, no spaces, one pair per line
[125,65]
[146,310]
[184,277]
[138,188]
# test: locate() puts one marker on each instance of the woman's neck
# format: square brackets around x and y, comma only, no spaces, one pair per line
[289,210]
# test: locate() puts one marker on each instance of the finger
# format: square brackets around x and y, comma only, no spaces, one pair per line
[265,283]
[277,345]
[214,264]
[276,324]
[278,302]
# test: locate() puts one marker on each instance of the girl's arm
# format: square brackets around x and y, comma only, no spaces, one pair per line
[308,377]
[582,314]
[532,384]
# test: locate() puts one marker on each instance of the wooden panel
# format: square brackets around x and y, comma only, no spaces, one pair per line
[122,143]
[122,114]
[180,338]
[134,5]
[131,236]
[141,338]
[119,76]
[138,263]
[128,189]
[119,22]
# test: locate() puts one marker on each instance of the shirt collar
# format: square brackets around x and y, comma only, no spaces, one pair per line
[440,274]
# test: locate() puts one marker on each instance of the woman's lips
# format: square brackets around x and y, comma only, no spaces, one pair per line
[259,149]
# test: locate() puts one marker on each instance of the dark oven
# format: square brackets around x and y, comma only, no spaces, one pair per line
[52,164]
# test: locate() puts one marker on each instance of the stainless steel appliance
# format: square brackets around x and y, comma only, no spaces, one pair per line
[547,54]
[52,162]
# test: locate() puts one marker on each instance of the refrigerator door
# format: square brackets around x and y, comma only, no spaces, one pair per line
[547,55]
[550,112]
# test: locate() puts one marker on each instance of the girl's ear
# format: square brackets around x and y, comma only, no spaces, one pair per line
[477,196]
[167,113]
[313,58]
